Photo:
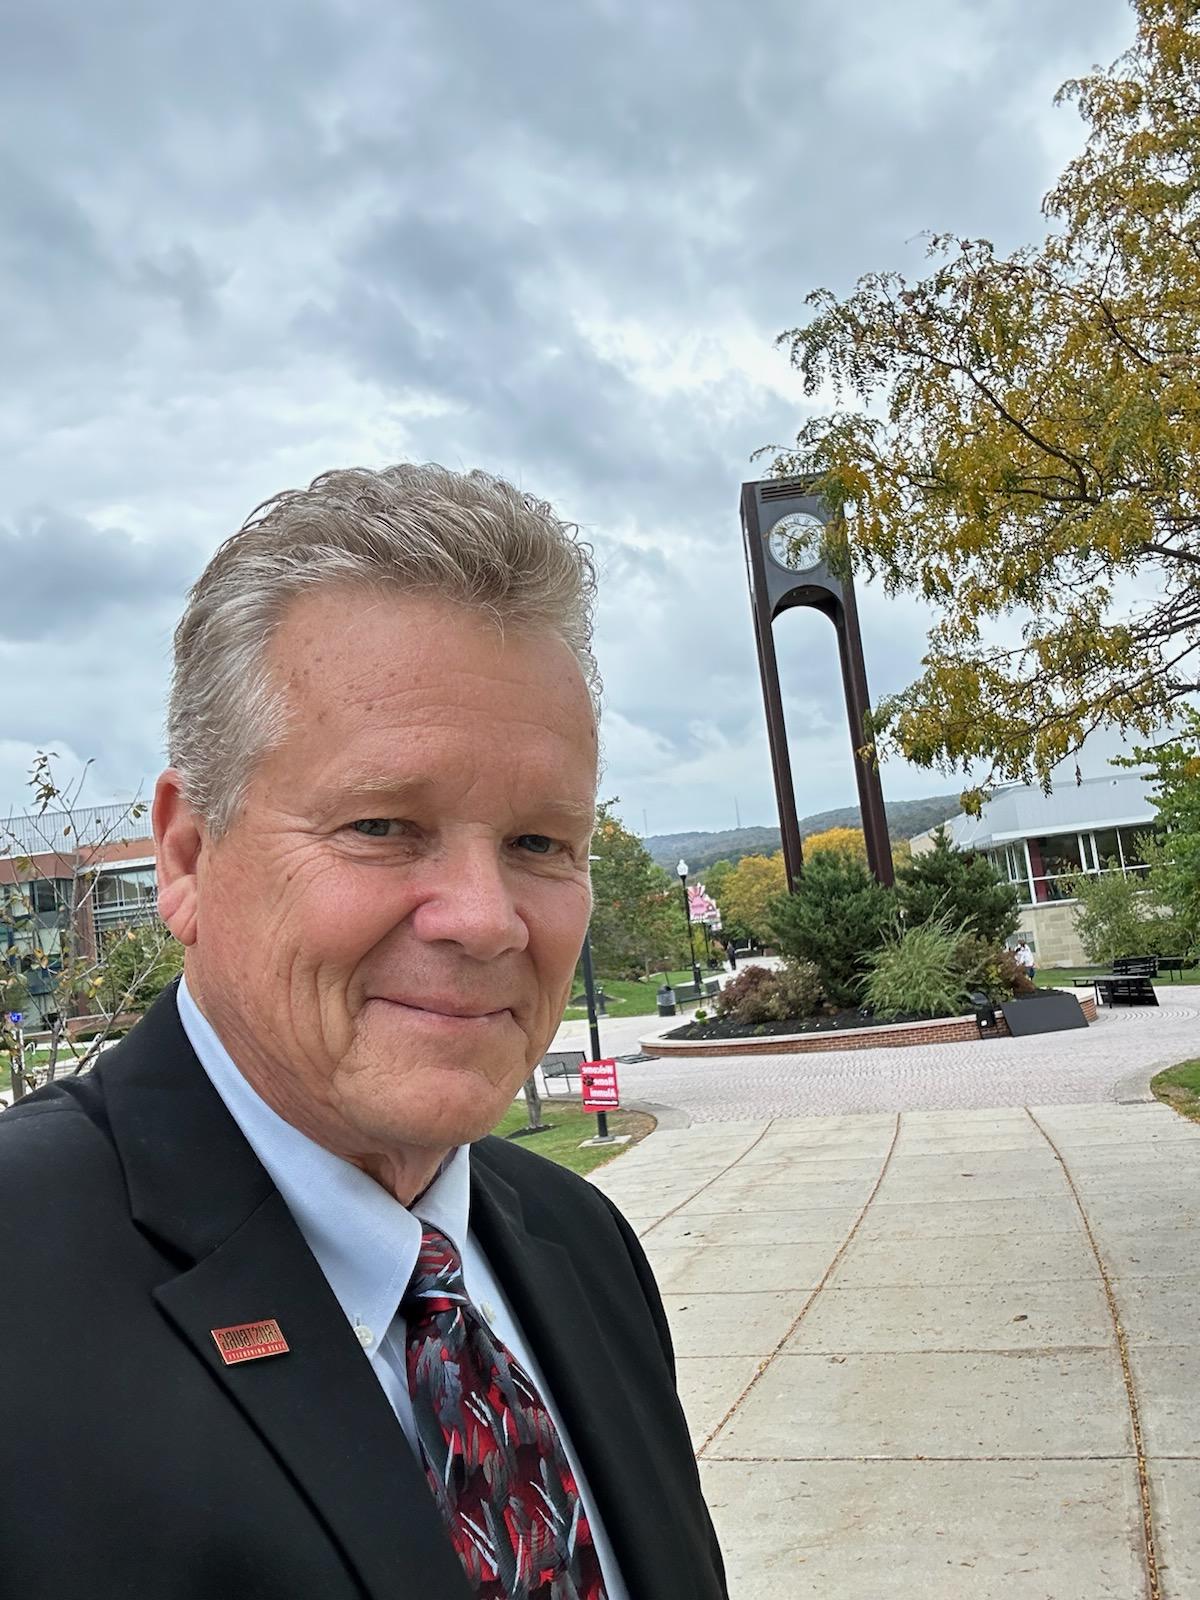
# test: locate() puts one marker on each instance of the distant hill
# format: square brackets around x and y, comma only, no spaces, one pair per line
[906,818]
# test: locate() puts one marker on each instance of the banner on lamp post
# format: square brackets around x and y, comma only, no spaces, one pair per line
[701,907]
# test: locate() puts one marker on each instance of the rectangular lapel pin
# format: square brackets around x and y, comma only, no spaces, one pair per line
[250,1341]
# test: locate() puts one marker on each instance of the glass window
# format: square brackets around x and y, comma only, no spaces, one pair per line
[108,889]
[1055,860]
[1104,845]
[1018,873]
[45,894]
[129,888]
[1131,847]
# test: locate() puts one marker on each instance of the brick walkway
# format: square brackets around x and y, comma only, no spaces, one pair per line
[1112,1060]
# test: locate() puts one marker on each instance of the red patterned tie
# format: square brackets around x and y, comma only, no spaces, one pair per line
[490,1449]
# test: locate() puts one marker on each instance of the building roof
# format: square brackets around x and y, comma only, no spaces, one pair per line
[1023,811]
[84,827]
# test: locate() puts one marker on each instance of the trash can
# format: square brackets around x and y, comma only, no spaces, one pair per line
[666,1000]
[985,1014]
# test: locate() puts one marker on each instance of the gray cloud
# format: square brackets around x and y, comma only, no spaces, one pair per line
[62,570]
[246,244]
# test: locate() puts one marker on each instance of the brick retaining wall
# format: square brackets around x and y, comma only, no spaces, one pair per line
[943,1030]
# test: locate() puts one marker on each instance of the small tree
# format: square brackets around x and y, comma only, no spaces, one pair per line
[637,912]
[837,917]
[1173,882]
[71,972]
[137,964]
[1113,916]
[960,886]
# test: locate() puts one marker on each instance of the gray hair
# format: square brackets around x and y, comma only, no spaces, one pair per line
[423,530]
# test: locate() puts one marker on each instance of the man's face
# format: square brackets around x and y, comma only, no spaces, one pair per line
[386,936]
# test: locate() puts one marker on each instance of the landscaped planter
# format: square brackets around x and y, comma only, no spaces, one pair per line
[938,1030]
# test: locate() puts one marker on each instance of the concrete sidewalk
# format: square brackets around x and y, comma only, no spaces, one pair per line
[937,1355]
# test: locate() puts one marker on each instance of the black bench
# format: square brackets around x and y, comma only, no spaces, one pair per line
[1175,965]
[561,1064]
[1136,966]
[1123,989]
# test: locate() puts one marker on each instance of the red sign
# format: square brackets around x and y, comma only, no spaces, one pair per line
[600,1085]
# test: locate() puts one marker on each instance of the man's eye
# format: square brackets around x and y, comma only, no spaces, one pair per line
[536,843]
[372,827]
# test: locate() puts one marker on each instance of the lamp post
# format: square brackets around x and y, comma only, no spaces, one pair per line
[589,989]
[682,870]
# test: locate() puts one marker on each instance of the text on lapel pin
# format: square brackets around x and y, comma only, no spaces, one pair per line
[249,1341]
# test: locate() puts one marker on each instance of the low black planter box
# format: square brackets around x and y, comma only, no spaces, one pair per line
[1051,1012]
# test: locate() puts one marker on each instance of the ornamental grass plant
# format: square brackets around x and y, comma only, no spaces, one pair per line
[916,973]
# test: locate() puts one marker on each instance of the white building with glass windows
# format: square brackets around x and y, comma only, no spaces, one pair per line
[69,879]
[1040,842]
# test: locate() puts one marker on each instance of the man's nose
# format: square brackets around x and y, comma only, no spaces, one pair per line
[470,903]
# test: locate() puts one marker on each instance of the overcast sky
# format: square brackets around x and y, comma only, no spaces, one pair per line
[240,244]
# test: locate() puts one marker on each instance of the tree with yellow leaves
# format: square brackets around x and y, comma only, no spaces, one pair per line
[748,891]
[848,839]
[1029,439]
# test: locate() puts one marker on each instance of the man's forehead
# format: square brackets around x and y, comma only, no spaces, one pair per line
[554,793]
[370,650]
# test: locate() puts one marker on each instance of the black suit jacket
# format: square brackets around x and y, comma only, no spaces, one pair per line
[135,1218]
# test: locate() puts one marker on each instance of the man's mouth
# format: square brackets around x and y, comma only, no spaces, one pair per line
[447,1010]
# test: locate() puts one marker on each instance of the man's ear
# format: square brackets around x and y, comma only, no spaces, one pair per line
[180,837]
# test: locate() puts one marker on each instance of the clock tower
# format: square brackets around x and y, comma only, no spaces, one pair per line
[784,525]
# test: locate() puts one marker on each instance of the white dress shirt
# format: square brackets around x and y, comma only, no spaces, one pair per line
[366,1243]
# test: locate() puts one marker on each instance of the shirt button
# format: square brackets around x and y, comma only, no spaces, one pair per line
[365,1337]
[489,1313]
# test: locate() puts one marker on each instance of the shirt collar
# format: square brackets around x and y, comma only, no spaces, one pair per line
[365,1242]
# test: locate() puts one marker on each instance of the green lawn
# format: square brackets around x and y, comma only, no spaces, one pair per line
[37,1059]
[1060,977]
[1179,1087]
[630,998]
[569,1127]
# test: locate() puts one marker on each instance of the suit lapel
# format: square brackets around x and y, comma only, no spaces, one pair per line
[594,1372]
[199,1191]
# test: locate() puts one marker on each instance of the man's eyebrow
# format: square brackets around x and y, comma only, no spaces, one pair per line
[369,785]
[398,791]
[378,783]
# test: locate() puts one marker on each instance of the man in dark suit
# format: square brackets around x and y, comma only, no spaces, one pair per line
[278,1319]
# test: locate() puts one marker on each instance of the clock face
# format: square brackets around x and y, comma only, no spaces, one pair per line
[797,542]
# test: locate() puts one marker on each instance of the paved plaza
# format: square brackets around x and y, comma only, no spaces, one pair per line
[1113,1060]
[944,1354]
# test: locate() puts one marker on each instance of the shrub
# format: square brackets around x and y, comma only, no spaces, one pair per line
[748,997]
[799,988]
[836,918]
[990,967]
[759,995]
[917,972]
[962,887]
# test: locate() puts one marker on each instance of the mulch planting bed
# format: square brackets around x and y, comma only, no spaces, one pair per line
[826,1022]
